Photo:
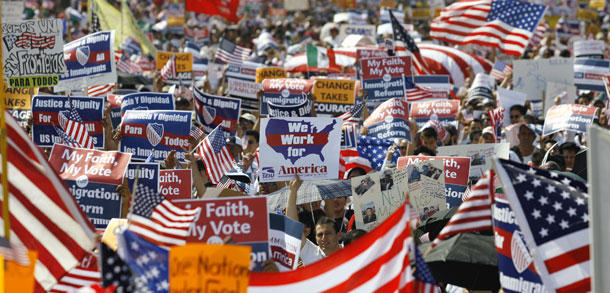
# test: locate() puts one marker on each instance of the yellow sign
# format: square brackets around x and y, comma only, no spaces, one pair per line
[335,91]
[34,81]
[387,3]
[209,268]
[552,20]
[175,20]
[420,13]
[587,14]
[597,4]
[110,233]
[18,98]
[269,73]
[18,278]
[184,61]
[345,3]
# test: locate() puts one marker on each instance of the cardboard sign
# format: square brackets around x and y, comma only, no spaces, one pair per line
[245,219]
[12,11]
[554,89]
[382,77]
[114,102]
[334,96]
[18,102]
[365,30]
[243,88]
[205,268]
[89,61]
[184,66]
[442,110]
[525,72]
[285,241]
[147,101]
[456,175]
[32,52]
[45,110]
[300,110]
[390,120]
[371,53]
[308,146]
[568,117]
[158,132]
[175,184]
[285,91]
[147,174]
[213,111]
[269,73]
[588,74]
[589,49]
[427,187]
[480,156]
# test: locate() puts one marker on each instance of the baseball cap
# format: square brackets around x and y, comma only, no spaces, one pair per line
[249,117]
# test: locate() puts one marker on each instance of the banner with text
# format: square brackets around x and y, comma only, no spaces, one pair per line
[382,78]
[175,184]
[216,110]
[147,101]
[334,96]
[269,73]
[114,101]
[300,110]
[18,102]
[243,88]
[147,174]
[284,91]
[570,117]
[390,120]
[442,110]
[285,241]
[480,156]
[588,74]
[184,66]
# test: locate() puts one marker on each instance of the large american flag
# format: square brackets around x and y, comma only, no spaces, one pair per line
[169,69]
[552,212]
[414,92]
[405,44]
[232,53]
[71,122]
[500,70]
[100,90]
[44,214]
[374,150]
[504,24]
[216,156]
[496,119]
[474,214]
[377,262]
[85,274]
[157,220]
[350,159]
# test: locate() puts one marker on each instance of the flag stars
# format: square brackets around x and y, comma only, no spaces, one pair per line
[580,201]
[536,182]
[566,181]
[544,232]
[572,212]
[565,194]
[529,195]
[531,171]
[550,219]
[543,200]
[550,188]
[564,224]
[585,218]
[521,178]
[536,214]
[557,206]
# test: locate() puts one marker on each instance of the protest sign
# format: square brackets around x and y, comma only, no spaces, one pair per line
[442,110]
[46,109]
[554,89]
[334,96]
[300,110]
[588,74]
[89,61]
[157,132]
[243,88]
[515,262]
[147,101]
[508,99]
[589,49]
[382,77]
[184,66]
[12,11]
[365,30]
[206,268]
[285,241]
[420,13]
[92,177]
[175,184]
[530,76]
[147,173]
[438,85]
[269,73]
[245,219]
[427,187]
[307,146]
[570,117]
[32,52]
[293,5]
[213,111]
[480,156]
[284,91]
[456,175]
[245,71]
[390,120]
[114,101]
[349,136]
[18,102]
[370,53]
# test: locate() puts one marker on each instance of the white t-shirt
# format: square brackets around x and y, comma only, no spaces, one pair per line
[311,253]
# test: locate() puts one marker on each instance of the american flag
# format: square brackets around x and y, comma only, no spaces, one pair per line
[377,262]
[157,220]
[504,24]
[353,115]
[350,159]
[148,262]
[71,122]
[474,214]
[66,139]
[131,46]
[14,252]
[49,220]
[423,279]
[232,53]
[215,154]
[414,92]
[196,132]
[125,65]
[496,119]
[191,47]
[405,44]
[552,212]
[169,70]
[538,35]
[30,40]
[115,271]
[374,149]
[85,274]
[100,90]
[500,70]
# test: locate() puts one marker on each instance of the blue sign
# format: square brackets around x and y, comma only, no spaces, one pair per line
[213,111]
[100,201]
[46,109]
[147,101]
[148,175]
[157,132]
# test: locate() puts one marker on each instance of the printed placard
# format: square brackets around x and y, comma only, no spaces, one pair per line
[427,187]
[382,77]
[147,101]
[570,117]
[18,102]
[245,71]
[114,101]
[245,219]
[197,268]
[589,49]
[285,241]
[243,88]
[284,91]
[439,85]
[32,52]
[370,53]
[335,92]
[269,73]
[213,111]
[588,74]
[157,132]
[175,184]
[300,110]
[147,174]
[307,146]
[366,30]
[480,156]
[390,120]
[184,66]
[89,61]
[45,110]
[442,110]
[456,175]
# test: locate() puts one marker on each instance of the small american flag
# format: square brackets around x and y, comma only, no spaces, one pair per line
[125,65]
[85,274]
[474,214]
[553,214]
[414,92]
[353,115]
[100,90]
[232,53]
[538,35]
[115,271]
[423,280]
[157,220]
[405,44]
[73,125]
[14,252]
[215,154]
[500,70]
[350,159]
[496,119]
[196,132]
[66,139]
[169,70]
[131,46]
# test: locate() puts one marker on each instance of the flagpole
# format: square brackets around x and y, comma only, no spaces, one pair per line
[5,210]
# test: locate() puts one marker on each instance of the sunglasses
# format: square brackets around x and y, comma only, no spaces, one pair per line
[251,142]
[402,147]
